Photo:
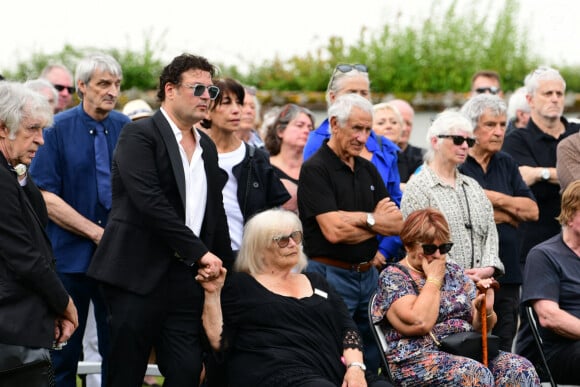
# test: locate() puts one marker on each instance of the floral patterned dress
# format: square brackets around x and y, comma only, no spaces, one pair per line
[416,360]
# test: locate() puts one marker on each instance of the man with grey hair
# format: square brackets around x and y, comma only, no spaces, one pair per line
[45,88]
[512,200]
[518,110]
[343,205]
[36,313]
[73,172]
[534,149]
[410,157]
[62,80]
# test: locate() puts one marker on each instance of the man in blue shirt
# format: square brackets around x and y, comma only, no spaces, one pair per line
[67,173]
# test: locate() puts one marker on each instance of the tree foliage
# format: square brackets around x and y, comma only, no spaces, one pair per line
[438,54]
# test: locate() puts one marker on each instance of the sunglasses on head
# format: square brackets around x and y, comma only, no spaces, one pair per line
[430,248]
[490,89]
[459,140]
[345,67]
[284,240]
[70,89]
[198,90]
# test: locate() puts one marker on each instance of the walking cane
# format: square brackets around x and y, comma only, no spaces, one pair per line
[483,312]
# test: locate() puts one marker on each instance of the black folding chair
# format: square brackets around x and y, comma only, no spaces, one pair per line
[380,341]
[544,370]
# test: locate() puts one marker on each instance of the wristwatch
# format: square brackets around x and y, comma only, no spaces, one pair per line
[545,174]
[362,366]
[370,220]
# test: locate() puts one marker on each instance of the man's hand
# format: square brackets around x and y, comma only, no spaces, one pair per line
[379,260]
[478,273]
[388,218]
[209,266]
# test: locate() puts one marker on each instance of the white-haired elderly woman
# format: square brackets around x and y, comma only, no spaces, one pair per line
[275,325]
[467,209]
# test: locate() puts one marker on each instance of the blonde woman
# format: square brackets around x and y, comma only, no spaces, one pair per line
[387,121]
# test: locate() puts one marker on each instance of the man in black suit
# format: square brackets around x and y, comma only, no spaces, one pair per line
[35,309]
[166,223]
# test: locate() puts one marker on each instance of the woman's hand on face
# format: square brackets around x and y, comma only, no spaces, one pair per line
[434,267]
[354,377]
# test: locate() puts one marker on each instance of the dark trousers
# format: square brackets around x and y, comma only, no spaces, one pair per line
[168,318]
[506,306]
[564,364]
[82,289]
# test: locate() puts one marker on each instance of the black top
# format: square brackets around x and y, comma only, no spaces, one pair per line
[283,175]
[532,147]
[408,161]
[503,176]
[278,341]
[327,184]
[259,188]
[31,293]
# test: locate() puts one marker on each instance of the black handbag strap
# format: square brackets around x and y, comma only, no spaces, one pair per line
[406,271]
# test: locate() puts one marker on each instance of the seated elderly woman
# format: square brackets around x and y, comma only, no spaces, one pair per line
[426,297]
[276,326]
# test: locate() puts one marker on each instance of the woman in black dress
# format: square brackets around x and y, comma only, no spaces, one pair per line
[274,325]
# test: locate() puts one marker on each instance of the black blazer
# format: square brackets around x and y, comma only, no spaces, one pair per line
[146,229]
[31,294]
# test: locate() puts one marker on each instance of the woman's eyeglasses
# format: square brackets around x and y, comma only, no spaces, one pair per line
[283,240]
[198,90]
[430,248]
[70,89]
[346,68]
[459,140]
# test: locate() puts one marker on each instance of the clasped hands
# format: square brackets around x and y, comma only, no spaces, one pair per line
[211,274]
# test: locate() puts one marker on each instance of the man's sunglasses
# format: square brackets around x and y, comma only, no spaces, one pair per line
[345,68]
[430,248]
[491,89]
[198,90]
[283,240]
[70,89]
[459,140]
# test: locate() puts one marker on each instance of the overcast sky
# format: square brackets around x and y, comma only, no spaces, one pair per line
[247,31]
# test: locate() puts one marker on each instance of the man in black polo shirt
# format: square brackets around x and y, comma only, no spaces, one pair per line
[343,204]
[512,200]
[534,149]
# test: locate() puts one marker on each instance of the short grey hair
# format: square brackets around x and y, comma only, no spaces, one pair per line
[477,105]
[41,84]
[18,103]
[450,121]
[88,65]
[517,101]
[259,232]
[343,105]
[542,73]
